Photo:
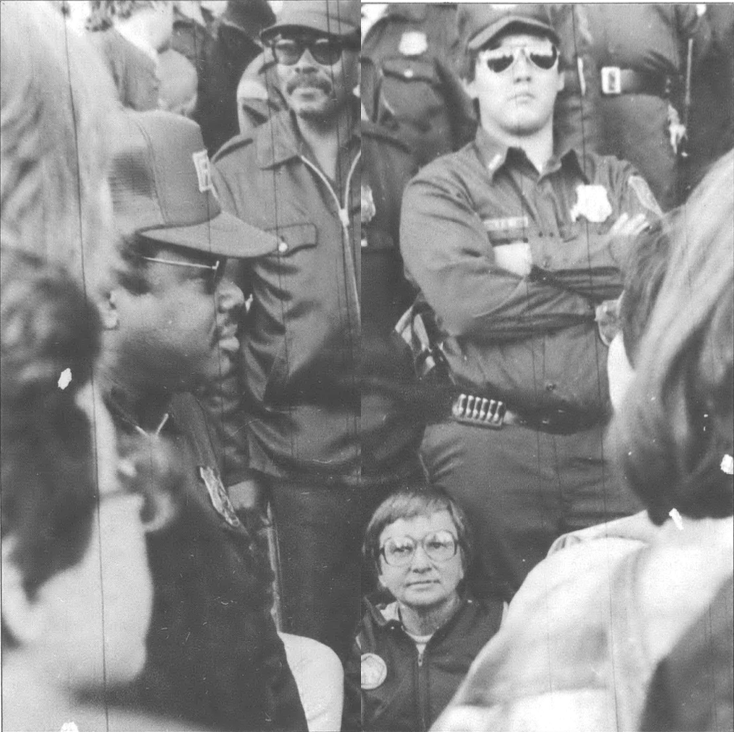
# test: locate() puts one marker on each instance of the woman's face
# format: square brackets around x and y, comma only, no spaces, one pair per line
[422,583]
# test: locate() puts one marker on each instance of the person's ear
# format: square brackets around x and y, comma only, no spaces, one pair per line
[109,312]
[23,618]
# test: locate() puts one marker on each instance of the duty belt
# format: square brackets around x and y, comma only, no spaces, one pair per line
[479,411]
[616,81]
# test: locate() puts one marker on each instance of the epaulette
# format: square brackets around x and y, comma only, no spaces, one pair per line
[231,145]
[384,134]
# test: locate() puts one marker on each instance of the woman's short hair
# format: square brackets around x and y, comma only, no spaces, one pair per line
[55,100]
[409,503]
[675,427]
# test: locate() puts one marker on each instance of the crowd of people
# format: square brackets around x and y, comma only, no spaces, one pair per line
[367,366]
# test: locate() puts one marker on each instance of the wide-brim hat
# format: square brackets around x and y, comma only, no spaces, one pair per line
[162,188]
[481,23]
[334,17]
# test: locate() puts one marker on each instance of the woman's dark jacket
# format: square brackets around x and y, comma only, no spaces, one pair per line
[416,690]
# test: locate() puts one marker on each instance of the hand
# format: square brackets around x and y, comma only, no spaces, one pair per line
[247,495]
[516,258]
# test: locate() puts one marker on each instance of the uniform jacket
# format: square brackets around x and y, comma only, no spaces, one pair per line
[301,336]
[413,50]
[214,656]
[386,367]
[417,688]
[505,336]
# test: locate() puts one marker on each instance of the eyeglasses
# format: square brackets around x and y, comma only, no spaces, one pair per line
[325,51]
[501,59]
[439,546]
[217,269]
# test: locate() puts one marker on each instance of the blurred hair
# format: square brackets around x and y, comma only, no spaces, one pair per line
[676,422]
[48,475]
[409,503]
[644,270]
[54,144]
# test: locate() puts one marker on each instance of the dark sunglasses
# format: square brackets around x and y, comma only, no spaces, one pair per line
[325,51]
[501,59]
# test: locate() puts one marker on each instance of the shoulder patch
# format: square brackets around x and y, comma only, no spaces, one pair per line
[644,195]
[230,146]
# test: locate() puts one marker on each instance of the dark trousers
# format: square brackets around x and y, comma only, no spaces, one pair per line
[320,531]
[522,489]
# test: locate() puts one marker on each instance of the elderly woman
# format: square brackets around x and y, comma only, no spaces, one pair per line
[416,648]
[592,623]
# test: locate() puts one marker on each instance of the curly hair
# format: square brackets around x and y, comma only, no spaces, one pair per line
[676,423]
[48,471]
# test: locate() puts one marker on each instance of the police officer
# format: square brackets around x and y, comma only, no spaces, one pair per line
[512,244]
[577,115]
[642,53]
[413,48]
[324,441]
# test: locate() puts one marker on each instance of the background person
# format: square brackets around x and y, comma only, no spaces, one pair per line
[513,241]
[295,425]
[416,648]
[130,35]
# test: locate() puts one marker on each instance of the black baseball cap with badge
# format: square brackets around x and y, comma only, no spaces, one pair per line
[340,18]
[480,23]
[162,189]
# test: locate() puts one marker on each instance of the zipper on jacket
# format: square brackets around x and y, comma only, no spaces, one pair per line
[343,209]
[422,691]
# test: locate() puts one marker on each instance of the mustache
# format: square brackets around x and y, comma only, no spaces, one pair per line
[310,81]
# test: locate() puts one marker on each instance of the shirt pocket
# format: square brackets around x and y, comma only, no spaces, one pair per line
[412,86]
[296,247]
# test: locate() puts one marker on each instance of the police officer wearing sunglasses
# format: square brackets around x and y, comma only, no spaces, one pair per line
[514,242]
[296,431]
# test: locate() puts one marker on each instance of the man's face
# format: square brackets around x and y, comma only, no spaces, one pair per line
[183,330]
[314,88]
[519,99]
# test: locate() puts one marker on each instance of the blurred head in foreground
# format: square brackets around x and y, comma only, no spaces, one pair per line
[675,424]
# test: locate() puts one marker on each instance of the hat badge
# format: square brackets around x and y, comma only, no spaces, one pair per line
[203,171]
[413,43]
[373,671]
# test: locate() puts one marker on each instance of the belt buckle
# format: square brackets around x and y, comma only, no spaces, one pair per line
[478,411]
[611,80]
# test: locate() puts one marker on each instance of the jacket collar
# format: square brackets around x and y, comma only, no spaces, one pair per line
[279,140]
[494,154]
[376,612]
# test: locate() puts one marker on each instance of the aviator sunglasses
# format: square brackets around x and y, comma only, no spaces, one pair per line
[325,51]
[501,59]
